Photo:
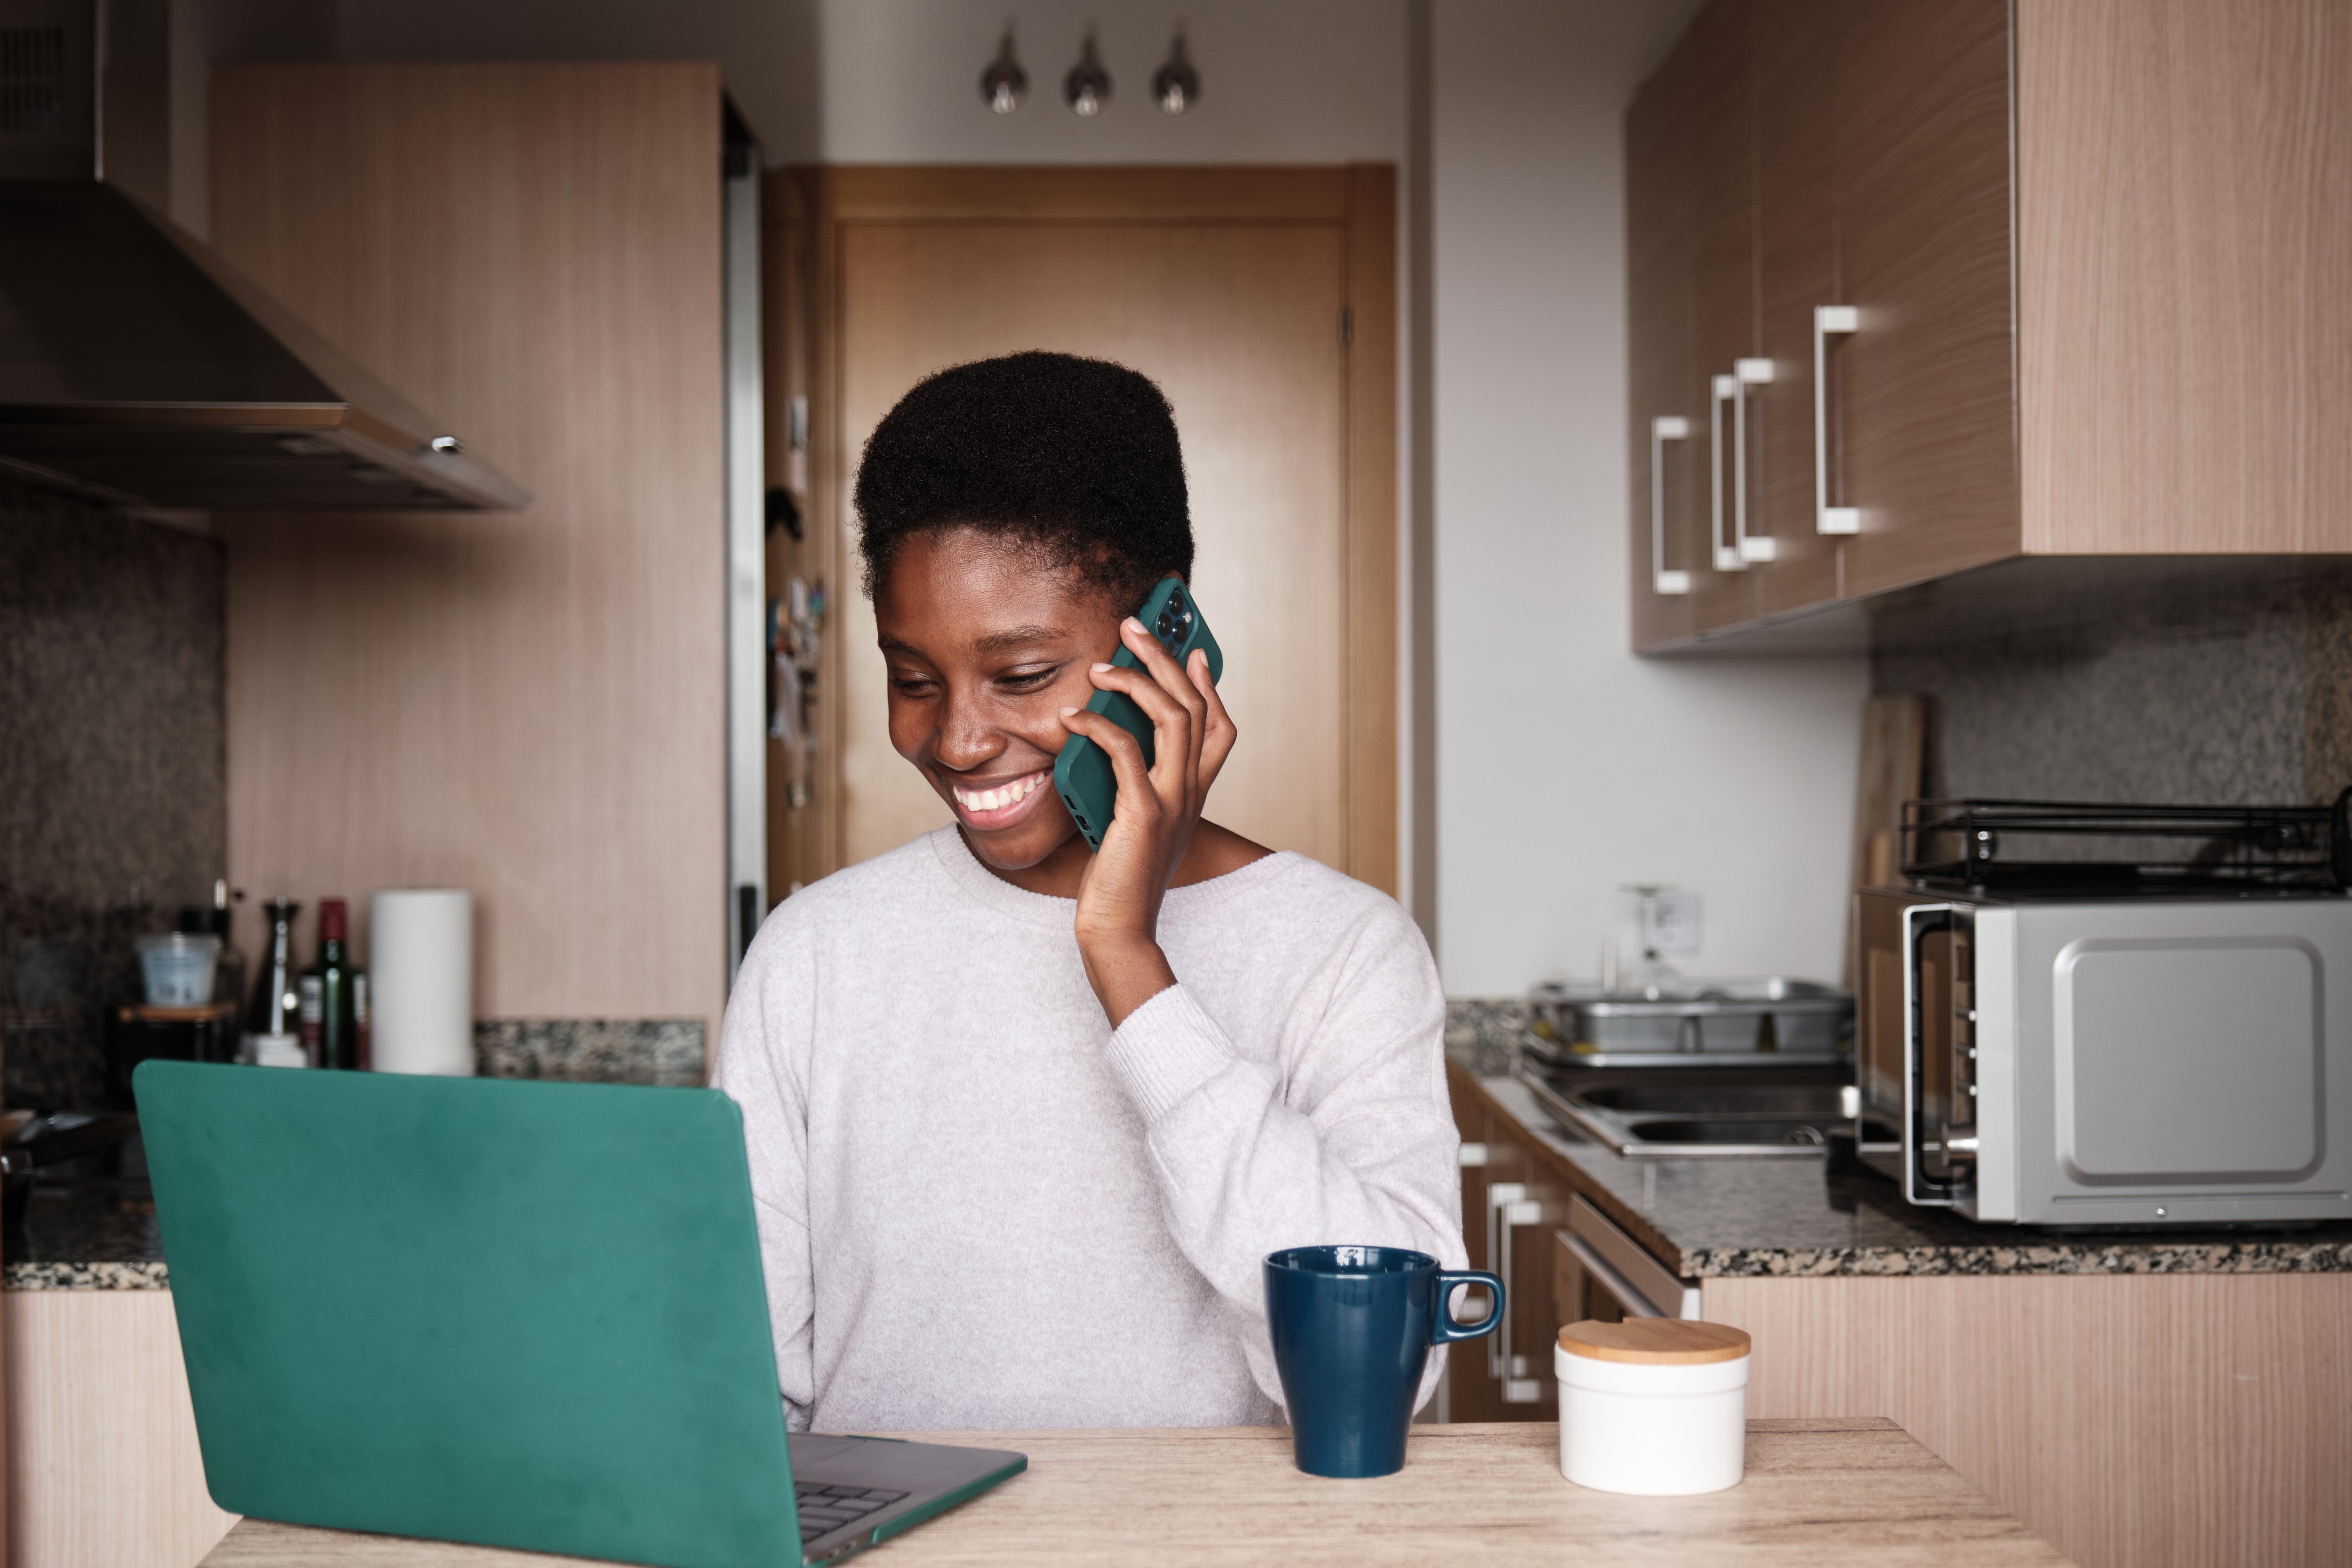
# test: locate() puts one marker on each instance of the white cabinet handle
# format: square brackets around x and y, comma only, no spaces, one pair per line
[1828,519]
[1665,427]
[1507,1208]
[1723,389]
[1748,373]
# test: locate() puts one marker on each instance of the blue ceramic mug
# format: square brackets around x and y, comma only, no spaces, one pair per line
[1352,1327]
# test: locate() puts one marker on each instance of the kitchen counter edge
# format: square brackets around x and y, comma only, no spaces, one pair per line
[1597,1173]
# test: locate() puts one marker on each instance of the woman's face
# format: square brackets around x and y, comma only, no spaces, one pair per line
[985,645]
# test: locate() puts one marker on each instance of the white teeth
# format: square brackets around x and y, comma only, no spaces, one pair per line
[1000,797]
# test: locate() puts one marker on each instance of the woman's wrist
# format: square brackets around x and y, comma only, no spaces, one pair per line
[1125,973]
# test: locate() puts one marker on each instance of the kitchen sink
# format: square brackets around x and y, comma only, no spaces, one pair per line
[1799,1100]
[1727,1131]
[1682,1113]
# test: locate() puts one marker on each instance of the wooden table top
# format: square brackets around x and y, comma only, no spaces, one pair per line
[1818,1494]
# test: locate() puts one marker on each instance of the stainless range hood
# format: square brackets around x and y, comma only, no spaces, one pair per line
[137,366]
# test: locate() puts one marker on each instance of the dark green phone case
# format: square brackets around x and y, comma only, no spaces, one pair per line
[1081,773]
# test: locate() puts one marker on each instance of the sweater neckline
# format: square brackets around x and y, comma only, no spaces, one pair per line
[991,891]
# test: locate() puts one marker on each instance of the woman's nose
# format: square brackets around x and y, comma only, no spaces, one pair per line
[966,737]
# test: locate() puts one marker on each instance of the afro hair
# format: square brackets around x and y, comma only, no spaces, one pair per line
[1075,457]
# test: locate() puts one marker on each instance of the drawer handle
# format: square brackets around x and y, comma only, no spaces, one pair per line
[1665,427]
[1752,548]
[1507,1208]
[1828,519]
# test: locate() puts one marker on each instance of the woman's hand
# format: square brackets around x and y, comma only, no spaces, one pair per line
[1119,899]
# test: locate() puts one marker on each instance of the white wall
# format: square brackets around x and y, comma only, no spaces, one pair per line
[1567,767]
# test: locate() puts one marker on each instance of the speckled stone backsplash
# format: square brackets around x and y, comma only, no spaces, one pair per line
[1482,1033]
[2222,683]
[114,745]
[592,1050]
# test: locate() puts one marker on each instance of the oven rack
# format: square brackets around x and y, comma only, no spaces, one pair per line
[2096,848]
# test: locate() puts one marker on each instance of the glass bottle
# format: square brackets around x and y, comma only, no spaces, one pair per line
[228,979]
[334,995]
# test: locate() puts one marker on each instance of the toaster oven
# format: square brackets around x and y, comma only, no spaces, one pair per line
[2088,1061]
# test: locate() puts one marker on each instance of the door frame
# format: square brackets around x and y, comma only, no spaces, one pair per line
[1360,199]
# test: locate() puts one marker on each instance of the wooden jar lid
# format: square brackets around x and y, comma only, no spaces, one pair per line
[1654,1342]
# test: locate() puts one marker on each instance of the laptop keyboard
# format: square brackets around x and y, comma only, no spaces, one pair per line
[824,1509]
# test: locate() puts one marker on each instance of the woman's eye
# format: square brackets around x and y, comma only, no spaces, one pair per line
[911,685]
[1027,679]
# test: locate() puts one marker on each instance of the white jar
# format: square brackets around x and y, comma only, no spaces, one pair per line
[1655,1407]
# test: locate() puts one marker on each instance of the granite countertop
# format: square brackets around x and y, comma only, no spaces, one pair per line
[1709,1217]
[94,1234]
[1720,1218]
[99,1233]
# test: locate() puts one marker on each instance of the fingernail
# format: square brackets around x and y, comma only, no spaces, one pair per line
[1132,624]
[1068,712]
[1100,668]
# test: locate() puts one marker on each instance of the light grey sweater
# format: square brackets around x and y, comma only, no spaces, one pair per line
[979,1206]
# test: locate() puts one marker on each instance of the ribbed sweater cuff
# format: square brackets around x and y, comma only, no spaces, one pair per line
[1167,1048]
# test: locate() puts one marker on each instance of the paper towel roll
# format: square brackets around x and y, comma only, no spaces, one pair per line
[420,980]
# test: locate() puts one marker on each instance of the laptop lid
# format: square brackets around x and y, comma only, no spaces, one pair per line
[521,1314]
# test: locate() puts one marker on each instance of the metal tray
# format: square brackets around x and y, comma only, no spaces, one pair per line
[1719,1022]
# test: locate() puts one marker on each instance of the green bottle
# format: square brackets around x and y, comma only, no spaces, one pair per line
[334,996]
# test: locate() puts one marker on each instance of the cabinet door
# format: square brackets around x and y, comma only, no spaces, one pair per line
[1473,1393]
[1795,54]
[1524,1204]
[1922,393]
[1576,1296]
[1717,55]
[1666,456]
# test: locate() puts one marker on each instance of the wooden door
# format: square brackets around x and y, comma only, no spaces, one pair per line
[1667,464]
[1923,393]
[1524,1204]
[1795,52]
[1473,1392]
[2184,241]
[1717,54]
[1263,304]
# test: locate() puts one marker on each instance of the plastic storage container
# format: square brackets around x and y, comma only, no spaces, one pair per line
[178,969]
[1654,1406]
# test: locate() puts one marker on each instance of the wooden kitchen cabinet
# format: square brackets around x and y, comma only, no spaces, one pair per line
[103,1467]
[2133,1409]
[1510,1204]
[2092,251]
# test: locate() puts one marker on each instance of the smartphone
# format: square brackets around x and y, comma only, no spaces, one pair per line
[1081,773]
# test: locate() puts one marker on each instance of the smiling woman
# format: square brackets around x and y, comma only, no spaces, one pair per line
[1233,1050]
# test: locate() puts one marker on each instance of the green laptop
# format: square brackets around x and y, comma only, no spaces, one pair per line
[520,1314]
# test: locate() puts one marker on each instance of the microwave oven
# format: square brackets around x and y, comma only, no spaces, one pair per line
[2078,1062]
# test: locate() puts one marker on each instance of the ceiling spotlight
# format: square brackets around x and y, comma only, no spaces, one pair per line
[1176,86]
[1087,87]
[1003,84]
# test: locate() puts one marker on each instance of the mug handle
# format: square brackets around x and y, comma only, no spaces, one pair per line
[1443,1330]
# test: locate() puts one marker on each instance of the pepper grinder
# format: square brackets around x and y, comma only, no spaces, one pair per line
[274,1019]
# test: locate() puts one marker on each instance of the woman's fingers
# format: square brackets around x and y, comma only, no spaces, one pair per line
[1174,731]
[1137,796]
[1217,732]
[1169,675]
